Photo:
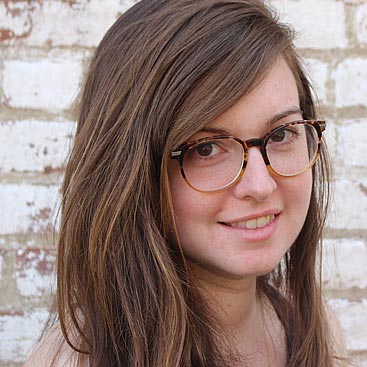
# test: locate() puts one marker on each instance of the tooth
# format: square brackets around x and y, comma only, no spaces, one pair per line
[251,224]
[254,223]
[261,222]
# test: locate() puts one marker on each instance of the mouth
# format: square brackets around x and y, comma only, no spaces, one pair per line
[254,223]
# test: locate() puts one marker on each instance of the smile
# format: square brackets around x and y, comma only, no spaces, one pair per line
[253,223]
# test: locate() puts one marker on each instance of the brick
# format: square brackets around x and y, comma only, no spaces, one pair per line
[350,83]
[42,84]
[361,24]
[18,332]
[330,137]
[47,22]
[358,359]
[32,145]
[352,142]
[314,18]
[352,317]
[27,208]
[349,207]
[1,264]
[354,2]
[34,272]
[345,264]
[16,22]
[318,72]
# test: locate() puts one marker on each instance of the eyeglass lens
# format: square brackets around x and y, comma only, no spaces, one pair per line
[215,164]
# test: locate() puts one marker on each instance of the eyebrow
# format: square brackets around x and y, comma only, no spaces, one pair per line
[282,115]
[215,130]
[268,123]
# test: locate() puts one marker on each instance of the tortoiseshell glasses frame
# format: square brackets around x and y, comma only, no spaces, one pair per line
[285,157]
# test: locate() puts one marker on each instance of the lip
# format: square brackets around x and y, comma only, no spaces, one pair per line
[254,235]
[251,217]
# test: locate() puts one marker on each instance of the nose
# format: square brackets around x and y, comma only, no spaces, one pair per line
[256,182]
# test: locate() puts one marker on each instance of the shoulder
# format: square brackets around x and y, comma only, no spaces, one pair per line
[53,351]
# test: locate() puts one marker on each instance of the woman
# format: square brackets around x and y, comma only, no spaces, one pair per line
[194,198]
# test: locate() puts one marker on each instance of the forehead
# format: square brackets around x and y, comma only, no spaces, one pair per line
[274,98]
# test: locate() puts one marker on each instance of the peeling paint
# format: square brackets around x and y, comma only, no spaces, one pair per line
[363,188]
[41,220]
[39,259]
[21,12]
[49,169]
[35,272]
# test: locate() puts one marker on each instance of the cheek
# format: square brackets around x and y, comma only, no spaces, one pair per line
[188,203]
[191,207]
[185,203]
[299,195]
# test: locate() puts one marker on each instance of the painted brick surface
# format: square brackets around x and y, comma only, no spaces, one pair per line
[318,71]
[352,316]
[345,264]
[328,20]
[350,82]
[361,24]
[42,23]
[331,139]
[18,332]
[32,145]
[352,142]
[44,47]
[50,84]
[14,24]
[34,272]
[349,208]
[27,208]
[1,264]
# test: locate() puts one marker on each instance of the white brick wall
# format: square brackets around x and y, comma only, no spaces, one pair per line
[41,84]
[345,264]
[27,208]
[350,204]
[361,24]
[320,24]
[34,146]
[352,142]
[352,316]
[318,72]
[350,79]
[48,26]
[44,47]
[35,272]
[17,333]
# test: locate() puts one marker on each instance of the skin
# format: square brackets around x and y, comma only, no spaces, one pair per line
[227,259]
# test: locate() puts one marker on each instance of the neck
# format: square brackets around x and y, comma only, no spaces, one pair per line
[233,301]
[249,322]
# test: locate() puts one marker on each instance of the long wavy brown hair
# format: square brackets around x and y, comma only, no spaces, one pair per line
[163,71]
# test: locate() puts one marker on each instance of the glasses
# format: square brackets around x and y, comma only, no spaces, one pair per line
[217,162]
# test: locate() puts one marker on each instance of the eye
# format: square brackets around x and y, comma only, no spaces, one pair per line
[206,149]
[283,136]
[278,136]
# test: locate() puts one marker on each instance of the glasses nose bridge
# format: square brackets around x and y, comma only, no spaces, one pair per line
[256,142]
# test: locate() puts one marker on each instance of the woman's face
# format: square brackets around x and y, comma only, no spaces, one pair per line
[216,229]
